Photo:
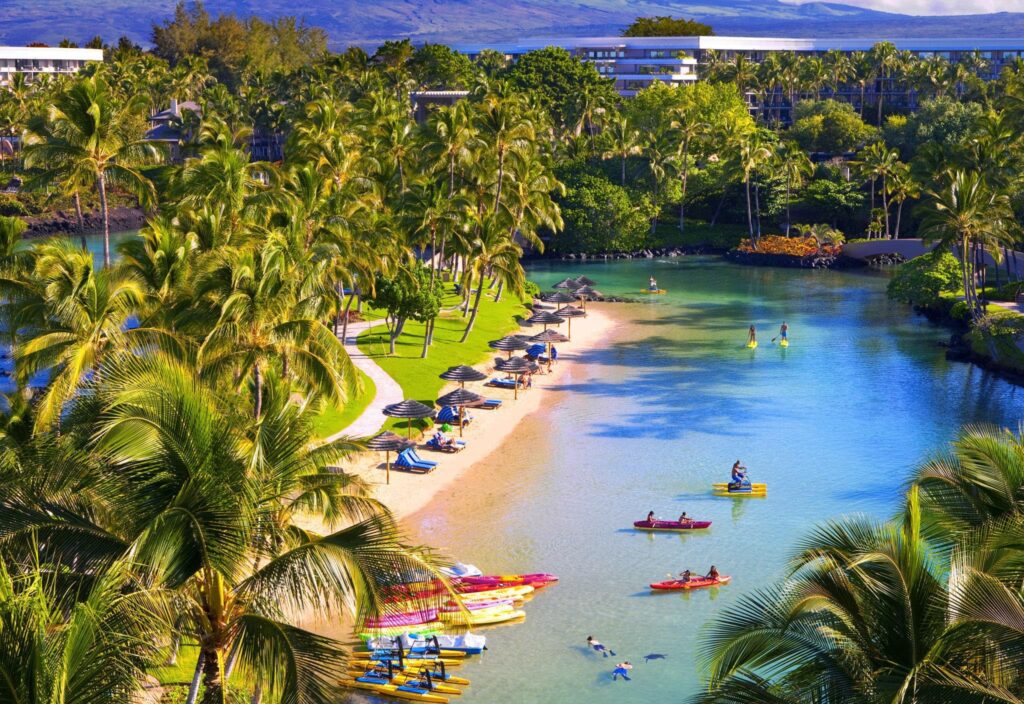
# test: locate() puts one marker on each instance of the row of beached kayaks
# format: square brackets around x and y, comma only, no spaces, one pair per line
[408,653]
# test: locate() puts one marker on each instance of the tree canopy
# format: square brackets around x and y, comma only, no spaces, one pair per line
[666,26]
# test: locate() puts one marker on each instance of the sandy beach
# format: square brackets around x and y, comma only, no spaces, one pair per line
[409,493]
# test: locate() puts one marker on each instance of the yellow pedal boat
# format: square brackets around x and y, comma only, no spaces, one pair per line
[756,489]
[415,694]
[416,672]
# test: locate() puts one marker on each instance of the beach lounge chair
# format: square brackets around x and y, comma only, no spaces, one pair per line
[450,414]
[502,383]
[491,404]
[455,447]
[415,456]
[406,463]
[537,350]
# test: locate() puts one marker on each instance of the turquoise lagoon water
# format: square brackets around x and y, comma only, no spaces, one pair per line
[655,414]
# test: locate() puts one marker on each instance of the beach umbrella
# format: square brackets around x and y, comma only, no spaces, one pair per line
[549,337]
[387,442]
[583,280]
[570,312]
[408,409]
[460,397]
[462,374]
[570,284]
[559,297]
[509,343]
[544,318]
[587,292]
[516,366]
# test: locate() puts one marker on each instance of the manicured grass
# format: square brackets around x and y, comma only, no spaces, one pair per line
[419,377]
[334,418]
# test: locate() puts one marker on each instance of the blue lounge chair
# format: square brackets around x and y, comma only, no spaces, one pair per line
[434,445]
[450,414]
[415,457]
[502,383]
[491,404]
[408,464]
[536,350]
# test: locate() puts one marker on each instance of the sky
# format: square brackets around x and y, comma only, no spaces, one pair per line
[933,7]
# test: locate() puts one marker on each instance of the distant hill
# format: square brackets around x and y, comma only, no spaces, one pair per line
[371,21]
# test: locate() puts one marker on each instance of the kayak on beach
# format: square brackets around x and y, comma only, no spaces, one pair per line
[692,583]
[536,580]
[670,525]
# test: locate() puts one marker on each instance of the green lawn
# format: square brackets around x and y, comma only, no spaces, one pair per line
[419,377]
[334,418]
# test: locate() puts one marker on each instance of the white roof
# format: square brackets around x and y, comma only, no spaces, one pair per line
[753,44]
[50,52]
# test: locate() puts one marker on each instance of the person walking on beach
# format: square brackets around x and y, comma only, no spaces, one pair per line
[598,646]
[622,670]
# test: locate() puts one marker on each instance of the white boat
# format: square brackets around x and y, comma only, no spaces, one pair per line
[468,642]
[460,569]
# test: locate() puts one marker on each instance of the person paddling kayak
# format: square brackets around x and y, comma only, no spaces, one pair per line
[784,331]
[650,516]
[652,284]
[683,518]
[684,576]
[712,573]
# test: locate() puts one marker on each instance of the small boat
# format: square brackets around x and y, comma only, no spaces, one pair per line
[468,643]
[537,580]
[382,686]
[670,525]
[438,674]
[692,583]
[652,292]
[460,569]
[478,592]
[755,489]
[484,617]
[363,657]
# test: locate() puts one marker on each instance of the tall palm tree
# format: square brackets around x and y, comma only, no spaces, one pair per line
[505,130]
[863,74]
[753,151]
[879,162]
[689,129]
[623,141]
[965,213]
[795,166]
[886,59]
[492,250]
[89,136]
[901,186]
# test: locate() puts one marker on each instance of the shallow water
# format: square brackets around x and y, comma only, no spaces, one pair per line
[834,424]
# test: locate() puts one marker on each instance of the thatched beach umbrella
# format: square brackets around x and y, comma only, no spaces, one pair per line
[548,337]
[516,366]
[570,312]
[462,374]
[510,344]
[585,293]
[559,297]
[584,281]
[387,442]
[460,397]
[408,409]
[570,284]
[544,318]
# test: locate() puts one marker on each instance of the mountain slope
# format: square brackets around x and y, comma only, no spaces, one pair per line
[367,22]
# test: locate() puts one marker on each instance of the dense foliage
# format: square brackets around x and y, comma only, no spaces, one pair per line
[664,26]
[923,280]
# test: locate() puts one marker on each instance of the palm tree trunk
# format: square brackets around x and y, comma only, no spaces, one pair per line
[212,680]
[193,689]
[258,390]
[623,169]
[257,694]
[501,179]
[395,332]
[899,216]
[476,308]
[426,338]
[344,317]
[788,188]
[81,218]
[433,256]
[102,184]
[682,178]
[885,206]
[497,296]
[750,211]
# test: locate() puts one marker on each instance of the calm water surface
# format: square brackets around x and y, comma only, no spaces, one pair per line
[649,419]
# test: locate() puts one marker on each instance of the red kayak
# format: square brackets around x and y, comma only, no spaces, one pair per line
[537,581]
[670,525]
[693,583]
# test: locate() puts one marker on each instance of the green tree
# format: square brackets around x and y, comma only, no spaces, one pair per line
[829,126]
[436,66]
[665,26]
[622,141]
[795,167]
[411,295]
[553,78]
[600,217]
[922,280]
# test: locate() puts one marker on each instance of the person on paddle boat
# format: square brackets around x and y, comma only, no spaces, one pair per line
[652,285]
[683,518]
[752,335]
[784,331]
[650,516]
[684,576]
[712,573]
[739,476]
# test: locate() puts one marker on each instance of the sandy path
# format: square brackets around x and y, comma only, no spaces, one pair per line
[388,390]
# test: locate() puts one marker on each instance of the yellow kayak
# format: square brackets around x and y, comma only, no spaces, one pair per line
[484,617]
[416,694]
[516,593]
[752,345]
[426,629]
[659,292]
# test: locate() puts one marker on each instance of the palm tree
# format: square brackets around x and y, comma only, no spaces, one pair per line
[965,213]
[88,136]
[863,67]
[492,250]
[795,165]
[879,162]
[886,59]
[840,69]
[623,141]
[506,131]
[753,152]
[741,71]
[689,129]
[901,186]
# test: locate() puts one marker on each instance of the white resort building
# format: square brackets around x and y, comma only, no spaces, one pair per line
[34,61]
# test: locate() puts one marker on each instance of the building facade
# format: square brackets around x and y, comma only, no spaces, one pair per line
[34,61]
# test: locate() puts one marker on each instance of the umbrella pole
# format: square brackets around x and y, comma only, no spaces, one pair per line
[461,408]
[387,466]
[515,390]
[408,428]
[570,328]
[549,358]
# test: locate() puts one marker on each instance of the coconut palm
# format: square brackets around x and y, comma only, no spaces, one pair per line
[492,250]
[623,141]
[879,162]
[505,130]
[688,129]
[886,59]
[87,137]
[753,152]
[795,166]
[899,187]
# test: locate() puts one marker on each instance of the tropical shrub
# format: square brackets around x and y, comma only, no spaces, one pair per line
[923,280]
[789,246]
[600,216]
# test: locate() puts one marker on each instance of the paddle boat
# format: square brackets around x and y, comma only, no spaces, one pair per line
[381,685]
[469,643]
[670,525]
[752,345]
[692,583]
[461,569]
[743,489]
[654,292]
[439,673]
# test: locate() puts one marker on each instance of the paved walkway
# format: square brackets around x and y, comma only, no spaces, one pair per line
[388,390]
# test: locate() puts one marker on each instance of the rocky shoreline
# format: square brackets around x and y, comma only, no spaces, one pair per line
[64,223]
[648,253]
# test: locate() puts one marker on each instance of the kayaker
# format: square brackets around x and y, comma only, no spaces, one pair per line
[684,576]
[650,516]
[652,284]
[598,646]
[752,336]
[683,518]
[712,573]
[622,670]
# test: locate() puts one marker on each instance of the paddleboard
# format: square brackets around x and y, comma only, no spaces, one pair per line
[784,343]
[752,345]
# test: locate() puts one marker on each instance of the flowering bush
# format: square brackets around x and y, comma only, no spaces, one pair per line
[790,246]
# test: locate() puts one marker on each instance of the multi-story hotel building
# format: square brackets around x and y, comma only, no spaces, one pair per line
[34,61]
[636,62]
